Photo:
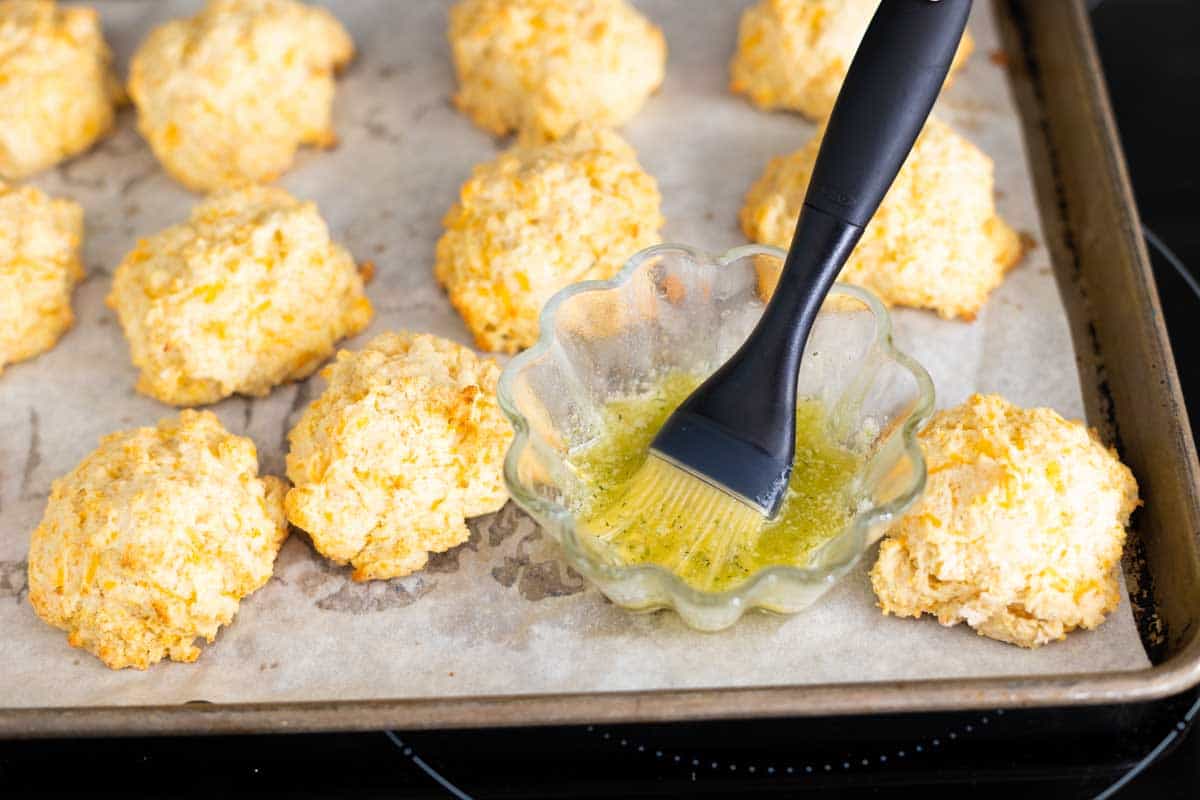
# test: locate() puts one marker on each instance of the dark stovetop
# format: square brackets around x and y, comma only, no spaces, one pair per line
[1149,53]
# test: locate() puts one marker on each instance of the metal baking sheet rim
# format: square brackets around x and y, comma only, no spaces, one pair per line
[1177,673]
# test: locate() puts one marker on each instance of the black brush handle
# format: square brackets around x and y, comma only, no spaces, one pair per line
[891,86]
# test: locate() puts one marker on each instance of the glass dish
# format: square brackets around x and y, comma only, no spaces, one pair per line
[674,308]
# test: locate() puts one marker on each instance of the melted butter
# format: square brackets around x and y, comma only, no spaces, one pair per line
[818,504]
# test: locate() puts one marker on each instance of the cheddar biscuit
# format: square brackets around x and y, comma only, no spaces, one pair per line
[404,444]
[154,539]
[936,241]
[227,96]
[57,88]
[249,293]
[40,239]
[536,219]
[794,54]
[542,66]
[1020,530]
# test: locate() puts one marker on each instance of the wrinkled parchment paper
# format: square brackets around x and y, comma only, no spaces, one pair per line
[501,614]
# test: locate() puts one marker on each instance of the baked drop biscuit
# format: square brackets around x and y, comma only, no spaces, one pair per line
[154,539]
[1020,530]
[542,66]
[936,241]
[57,88]
[794,54]
[249,293]
[536,219]
[40,239]
[404,445]
[227,96]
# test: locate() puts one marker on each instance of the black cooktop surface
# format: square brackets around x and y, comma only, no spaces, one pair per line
[1149,750]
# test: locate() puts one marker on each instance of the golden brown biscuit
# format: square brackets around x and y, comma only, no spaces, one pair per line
[536,219]
[249,293]
[40,239]
[542,66]
[936,241]
[401,448]
[794,54]
[57,88]
[227,96]
[1020,529]
[154,539]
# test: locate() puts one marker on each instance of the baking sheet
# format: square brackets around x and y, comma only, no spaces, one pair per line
[501,614]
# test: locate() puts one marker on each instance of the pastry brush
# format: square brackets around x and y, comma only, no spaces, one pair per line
[721,463]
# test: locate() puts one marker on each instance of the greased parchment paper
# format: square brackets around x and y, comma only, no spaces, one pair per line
[501,614]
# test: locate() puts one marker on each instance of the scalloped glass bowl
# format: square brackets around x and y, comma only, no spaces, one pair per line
[673,308]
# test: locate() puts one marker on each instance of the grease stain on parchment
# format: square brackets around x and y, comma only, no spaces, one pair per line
[503,524]
[33,457]
[14,579]
[378,129]
[534,579]
[449,560]
[524,568]
[333,590]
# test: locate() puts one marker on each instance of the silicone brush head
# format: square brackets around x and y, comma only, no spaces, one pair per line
[740,468]
[715,525]
[674,495]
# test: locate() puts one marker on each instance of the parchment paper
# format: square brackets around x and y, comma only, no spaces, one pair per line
[500,614]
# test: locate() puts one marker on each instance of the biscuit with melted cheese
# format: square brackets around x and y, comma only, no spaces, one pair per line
[57,87]
[794,54]
[936,241]
[227,96]
[403,446]
[1019,531]
[249,293]
[152,541]
[542,66]
[40,239]
[536,219]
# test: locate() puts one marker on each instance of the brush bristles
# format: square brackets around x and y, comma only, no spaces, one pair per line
[670,517]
